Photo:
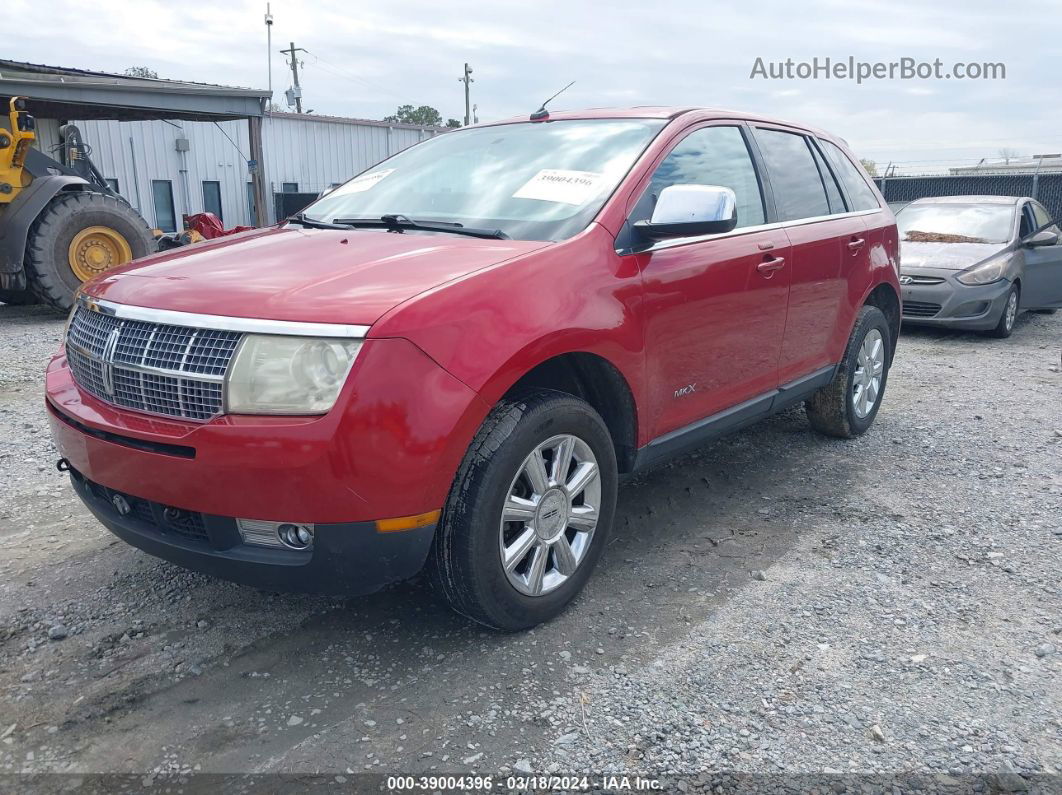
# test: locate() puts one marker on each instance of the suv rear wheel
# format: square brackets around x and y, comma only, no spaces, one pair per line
[528,513]
[848,405]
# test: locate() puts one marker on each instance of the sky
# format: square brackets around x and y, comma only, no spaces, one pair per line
[367,57]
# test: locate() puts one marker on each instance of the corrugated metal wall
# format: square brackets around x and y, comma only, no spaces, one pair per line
[311,153]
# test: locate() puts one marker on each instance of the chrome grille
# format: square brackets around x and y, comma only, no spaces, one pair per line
[153,367]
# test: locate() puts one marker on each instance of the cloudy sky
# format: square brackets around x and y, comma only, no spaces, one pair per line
[366,57]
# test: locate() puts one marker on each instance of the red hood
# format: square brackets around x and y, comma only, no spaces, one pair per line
[316,275]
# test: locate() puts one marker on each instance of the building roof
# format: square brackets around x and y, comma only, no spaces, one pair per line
[1012,165]
[58,92]
[362,122]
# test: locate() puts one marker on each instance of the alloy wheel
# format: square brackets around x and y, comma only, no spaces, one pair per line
[870,367]
[1011,310]
[550,514]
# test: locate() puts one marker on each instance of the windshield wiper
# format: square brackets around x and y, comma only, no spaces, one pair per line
[300,218]
[400,223]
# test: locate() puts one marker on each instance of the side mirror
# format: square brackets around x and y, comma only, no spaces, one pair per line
[1045,237]
[690,210]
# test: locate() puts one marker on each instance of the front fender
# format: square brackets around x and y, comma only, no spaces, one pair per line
[23,211]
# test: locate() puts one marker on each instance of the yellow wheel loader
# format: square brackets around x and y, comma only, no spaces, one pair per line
[60,222]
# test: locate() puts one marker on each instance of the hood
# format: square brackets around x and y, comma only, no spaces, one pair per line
[946,256]
[311,275]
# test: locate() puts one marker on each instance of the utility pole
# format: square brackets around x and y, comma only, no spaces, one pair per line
[466,79]
[294,63]
[269,48]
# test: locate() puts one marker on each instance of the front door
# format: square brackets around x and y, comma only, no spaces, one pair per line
[714,307]
[1042,288]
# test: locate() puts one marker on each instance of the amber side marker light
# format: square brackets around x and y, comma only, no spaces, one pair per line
[407,522]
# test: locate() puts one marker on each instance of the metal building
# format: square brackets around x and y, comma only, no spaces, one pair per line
[173,148]
[167,169]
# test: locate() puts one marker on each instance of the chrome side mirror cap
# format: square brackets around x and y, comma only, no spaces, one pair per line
[690,210]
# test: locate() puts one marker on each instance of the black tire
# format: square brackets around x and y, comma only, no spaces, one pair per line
[831,410]
[47,250]
[466,564]
[1005,327]
[17,297]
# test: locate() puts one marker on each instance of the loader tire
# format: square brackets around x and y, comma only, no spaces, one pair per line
[77,237]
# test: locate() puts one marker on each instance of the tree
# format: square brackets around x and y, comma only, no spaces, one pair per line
[453,123]
[425,115]
[142,71]
[870,166]
[1006,154]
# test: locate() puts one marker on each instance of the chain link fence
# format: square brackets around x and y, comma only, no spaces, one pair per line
[1045,187]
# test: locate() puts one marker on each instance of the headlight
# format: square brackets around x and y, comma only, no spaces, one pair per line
[288,375]
[987,272]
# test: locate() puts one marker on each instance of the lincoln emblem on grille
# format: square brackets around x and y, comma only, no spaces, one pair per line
[107,364]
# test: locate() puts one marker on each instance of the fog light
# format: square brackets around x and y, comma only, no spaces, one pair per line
[296,536]
[279,535]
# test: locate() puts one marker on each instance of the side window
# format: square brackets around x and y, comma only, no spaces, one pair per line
[709,156]
[798,188]
[1040,215]
[1028,224]
[861,196]
[833,192]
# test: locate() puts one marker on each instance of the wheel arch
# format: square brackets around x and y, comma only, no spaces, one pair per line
[884,297]
[598,381]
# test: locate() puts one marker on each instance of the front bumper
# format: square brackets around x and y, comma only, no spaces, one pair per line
[952,304]
[346,559]
[389,449]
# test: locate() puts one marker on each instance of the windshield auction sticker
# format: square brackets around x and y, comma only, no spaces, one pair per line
[363,183]
[564,187]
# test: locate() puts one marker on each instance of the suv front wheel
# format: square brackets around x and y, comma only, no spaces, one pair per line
[529,512]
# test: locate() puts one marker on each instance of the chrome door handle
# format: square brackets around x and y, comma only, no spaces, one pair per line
[856,244]
[769,266]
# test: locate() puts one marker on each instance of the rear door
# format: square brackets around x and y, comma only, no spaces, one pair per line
[714,306]
[1042,287]
[828,244]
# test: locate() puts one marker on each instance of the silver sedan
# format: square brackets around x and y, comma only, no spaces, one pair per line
[976,262]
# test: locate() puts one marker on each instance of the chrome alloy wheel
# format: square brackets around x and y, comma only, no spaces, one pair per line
[1011,312]
[550,515]
[870,367]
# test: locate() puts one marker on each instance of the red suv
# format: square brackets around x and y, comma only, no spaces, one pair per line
[450,360]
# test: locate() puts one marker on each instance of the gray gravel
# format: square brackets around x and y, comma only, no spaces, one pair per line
[777,603]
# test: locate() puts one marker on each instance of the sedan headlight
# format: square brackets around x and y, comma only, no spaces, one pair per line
[288,375]
[987,272]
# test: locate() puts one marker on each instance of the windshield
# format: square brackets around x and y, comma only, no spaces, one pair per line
[533,181]
[956,223]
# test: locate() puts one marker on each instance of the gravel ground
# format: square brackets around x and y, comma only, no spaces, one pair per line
[776,604]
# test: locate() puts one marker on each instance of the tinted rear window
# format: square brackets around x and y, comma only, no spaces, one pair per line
[795,180]
[860,195]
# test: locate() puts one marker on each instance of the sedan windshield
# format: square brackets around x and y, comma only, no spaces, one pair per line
[956,223]
[531,181]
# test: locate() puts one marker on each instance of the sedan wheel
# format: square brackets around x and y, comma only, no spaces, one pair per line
[550,515]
